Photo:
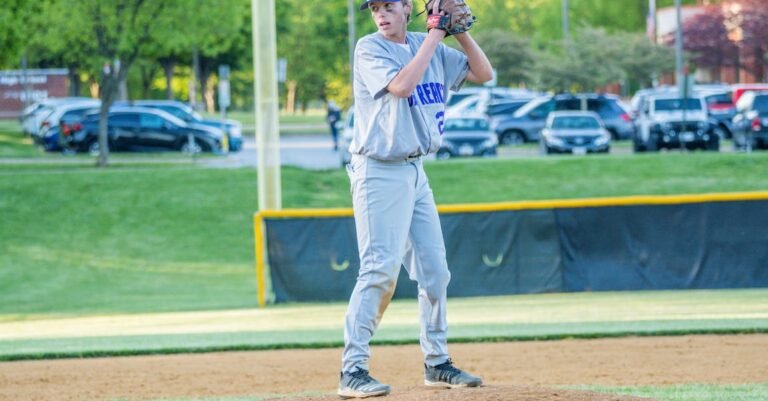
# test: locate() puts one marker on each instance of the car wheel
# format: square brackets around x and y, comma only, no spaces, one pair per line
[720,132]
[94,148]
[712,146]
[190,148]
[443,154]
[512,138]
[638,147]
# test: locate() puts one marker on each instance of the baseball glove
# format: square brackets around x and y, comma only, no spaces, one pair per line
[451,16]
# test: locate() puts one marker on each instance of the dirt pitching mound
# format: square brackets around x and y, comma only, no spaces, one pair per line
[485,393]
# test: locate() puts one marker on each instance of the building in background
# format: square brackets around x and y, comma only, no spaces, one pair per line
[19,88]
[740,65]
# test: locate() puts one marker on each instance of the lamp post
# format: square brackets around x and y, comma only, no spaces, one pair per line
[566,38]
[679,45]
[352,39]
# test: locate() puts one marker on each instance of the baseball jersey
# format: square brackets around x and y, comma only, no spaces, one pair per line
[388,127]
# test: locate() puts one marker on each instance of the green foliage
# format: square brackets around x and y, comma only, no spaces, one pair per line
[510,54]
[596,58]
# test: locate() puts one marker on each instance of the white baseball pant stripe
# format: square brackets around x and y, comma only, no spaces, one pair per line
[397,224]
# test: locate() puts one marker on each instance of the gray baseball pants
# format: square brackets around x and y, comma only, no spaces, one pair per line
[397,224]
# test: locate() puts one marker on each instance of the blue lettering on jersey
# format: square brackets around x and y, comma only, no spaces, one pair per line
[428,93]
[420,92]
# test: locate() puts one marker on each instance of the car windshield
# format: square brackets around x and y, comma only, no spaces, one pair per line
[761,104]
[677,104]
[466,124]
[575,122]
[719,99]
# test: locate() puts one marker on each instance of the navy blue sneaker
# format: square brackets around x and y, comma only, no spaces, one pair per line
[360,384]
[447,375]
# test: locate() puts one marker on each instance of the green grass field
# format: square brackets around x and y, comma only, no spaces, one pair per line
[520,317]
[163,238]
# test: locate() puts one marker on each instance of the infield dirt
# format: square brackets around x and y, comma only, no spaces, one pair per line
[518,371]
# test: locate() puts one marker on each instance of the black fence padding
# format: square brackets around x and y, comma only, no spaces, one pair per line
[689,246]
[613,248]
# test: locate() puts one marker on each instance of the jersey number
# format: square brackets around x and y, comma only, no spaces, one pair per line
[440,117]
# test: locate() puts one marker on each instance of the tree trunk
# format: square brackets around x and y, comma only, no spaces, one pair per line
[147,73]
[210,104]
[110,86]
[74,82]
[290,103]
[169,66]
[122,89]
[195,75]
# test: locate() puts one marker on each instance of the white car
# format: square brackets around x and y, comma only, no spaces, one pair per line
[69,112]
[33,115]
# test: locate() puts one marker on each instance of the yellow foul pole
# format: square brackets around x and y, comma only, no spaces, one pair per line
[267,129]
[266,104]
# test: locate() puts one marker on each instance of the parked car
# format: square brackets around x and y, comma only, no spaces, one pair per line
[740,89]
[577,132]
[466,137]
[505,107]
[345,139]
[750,125]
[720,108]
[528,121]
[146,129]
[234,129]
[482,101]
[491,94]
[32,116]
[670,121]
[63,121]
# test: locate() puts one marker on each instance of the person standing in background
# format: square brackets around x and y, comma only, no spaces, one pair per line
[334,115]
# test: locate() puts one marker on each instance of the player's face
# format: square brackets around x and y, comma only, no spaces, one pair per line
[391,18]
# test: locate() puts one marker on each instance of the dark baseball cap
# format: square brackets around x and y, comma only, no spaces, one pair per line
[367,2]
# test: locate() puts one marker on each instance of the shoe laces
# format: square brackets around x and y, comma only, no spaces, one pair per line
[448,368]
[361,376]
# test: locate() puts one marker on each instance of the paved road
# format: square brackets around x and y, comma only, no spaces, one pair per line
[306,151]
[316,152]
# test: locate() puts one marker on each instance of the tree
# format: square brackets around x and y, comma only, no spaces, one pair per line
[591,62]
[113,34]
[510,54]
[643,61]
[753,22]
[707,38]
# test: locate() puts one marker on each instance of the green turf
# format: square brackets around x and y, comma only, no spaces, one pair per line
[522,317]
[692,392]
[133,238]
[13,143]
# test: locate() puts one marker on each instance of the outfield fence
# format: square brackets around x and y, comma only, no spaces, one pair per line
[703,241]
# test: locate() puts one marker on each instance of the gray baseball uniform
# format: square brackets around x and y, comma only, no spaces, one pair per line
[395,213]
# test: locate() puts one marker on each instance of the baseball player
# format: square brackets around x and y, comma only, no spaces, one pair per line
[401,82]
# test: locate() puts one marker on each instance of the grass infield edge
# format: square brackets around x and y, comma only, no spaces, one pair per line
[335,344]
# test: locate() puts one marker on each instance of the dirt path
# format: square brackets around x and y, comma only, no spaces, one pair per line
[513,371]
